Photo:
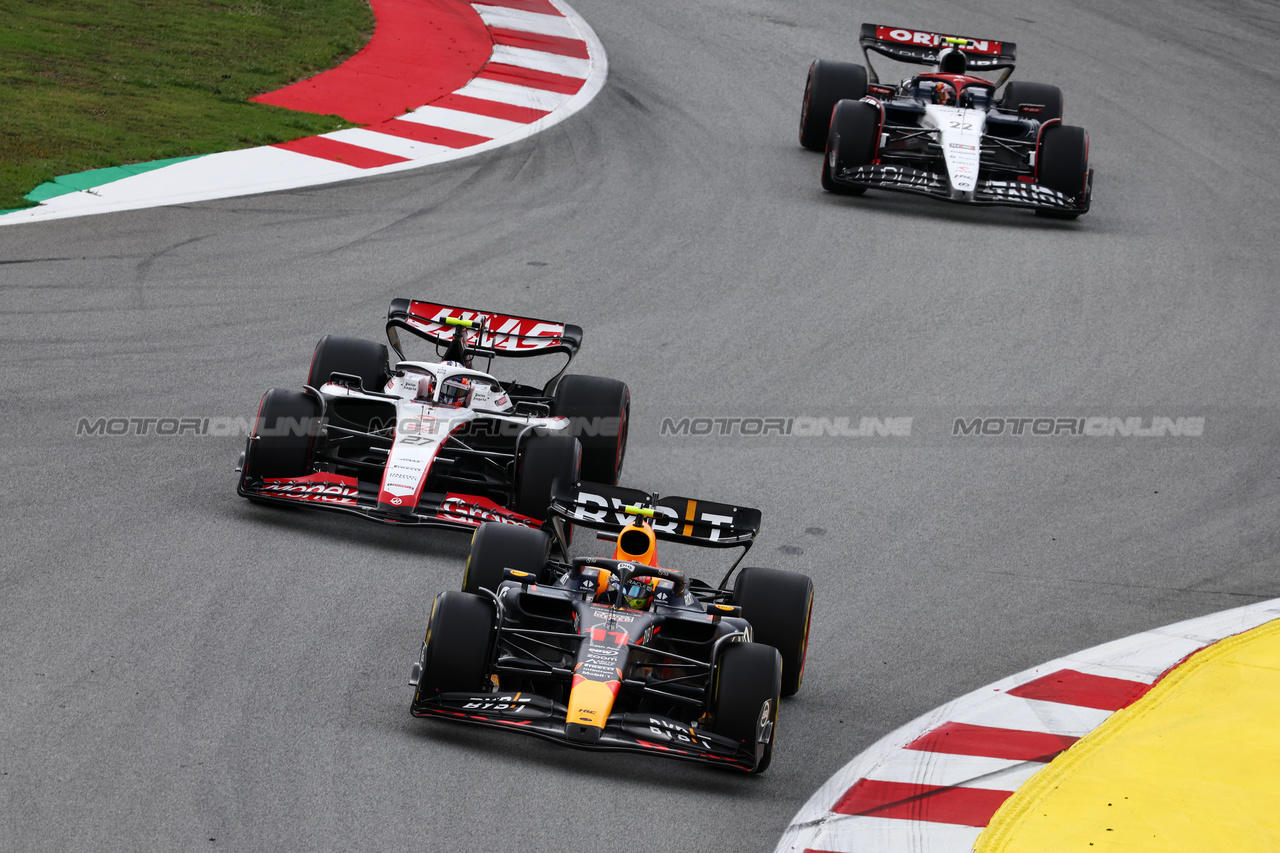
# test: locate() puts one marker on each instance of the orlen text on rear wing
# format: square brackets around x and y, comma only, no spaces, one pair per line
[675,519]
[921,47]
[484,332]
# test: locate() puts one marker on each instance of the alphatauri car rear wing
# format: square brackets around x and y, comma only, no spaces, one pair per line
[921,47]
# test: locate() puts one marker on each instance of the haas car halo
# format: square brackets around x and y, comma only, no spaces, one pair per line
[619,653]
[945,133]
[436,443]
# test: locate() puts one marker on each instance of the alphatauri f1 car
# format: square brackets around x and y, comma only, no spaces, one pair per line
[619,653]
[436,443]
[945,133]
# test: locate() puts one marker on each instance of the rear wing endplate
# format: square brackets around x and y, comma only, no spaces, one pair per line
[921,47]
[675,519]
[485,333]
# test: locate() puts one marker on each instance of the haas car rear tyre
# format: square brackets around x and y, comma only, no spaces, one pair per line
[456,656]
[283,436]
[851,142]
[543,459]
[778,605]
[1063,163]
[828,84]
[496,546]
[356,356]
[744,700]
[1047,98]
[599,410]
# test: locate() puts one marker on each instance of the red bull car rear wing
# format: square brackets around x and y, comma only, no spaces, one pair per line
[675,519]
[484,333]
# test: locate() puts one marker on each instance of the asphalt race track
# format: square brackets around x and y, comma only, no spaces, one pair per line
[182,670]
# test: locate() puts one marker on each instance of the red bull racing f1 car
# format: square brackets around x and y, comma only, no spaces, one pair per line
[620,653]
[945,133]
[436,443]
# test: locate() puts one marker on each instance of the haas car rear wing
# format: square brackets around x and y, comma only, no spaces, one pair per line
[484,333]
[683,520]
[922,48]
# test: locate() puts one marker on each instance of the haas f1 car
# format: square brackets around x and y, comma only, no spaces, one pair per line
[619,653]
[436,443]
[945,133]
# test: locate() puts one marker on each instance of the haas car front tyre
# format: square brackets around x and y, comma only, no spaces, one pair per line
[455,654]
[1063,164]
[828,84]
[599,410]
[496,546]
[354,356]
[744,702]
[851,142]
[1038,96]
[284,434]
[543,459]
[778,605]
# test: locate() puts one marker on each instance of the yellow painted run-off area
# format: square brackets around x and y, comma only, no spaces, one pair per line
[1193,766]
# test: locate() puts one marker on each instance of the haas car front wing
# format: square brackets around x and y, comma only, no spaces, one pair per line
[629,732]
[345,494]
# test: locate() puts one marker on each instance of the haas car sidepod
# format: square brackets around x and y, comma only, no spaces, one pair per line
[945,133]
[436,443]
[619,653]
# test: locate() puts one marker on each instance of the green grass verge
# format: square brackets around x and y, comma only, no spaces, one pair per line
[91,84]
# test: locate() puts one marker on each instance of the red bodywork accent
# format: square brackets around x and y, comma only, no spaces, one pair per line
[473,509]
[899,35]
[314,488]
[502,332]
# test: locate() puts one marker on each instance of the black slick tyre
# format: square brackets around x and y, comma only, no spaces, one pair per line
[284,435]
[600,410]
[496,546]
[745,696]
[456,653]
[356,356]
[851,142]
[1063,164]
[1047,98]
[543,460]
[829,82]
[778,605]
